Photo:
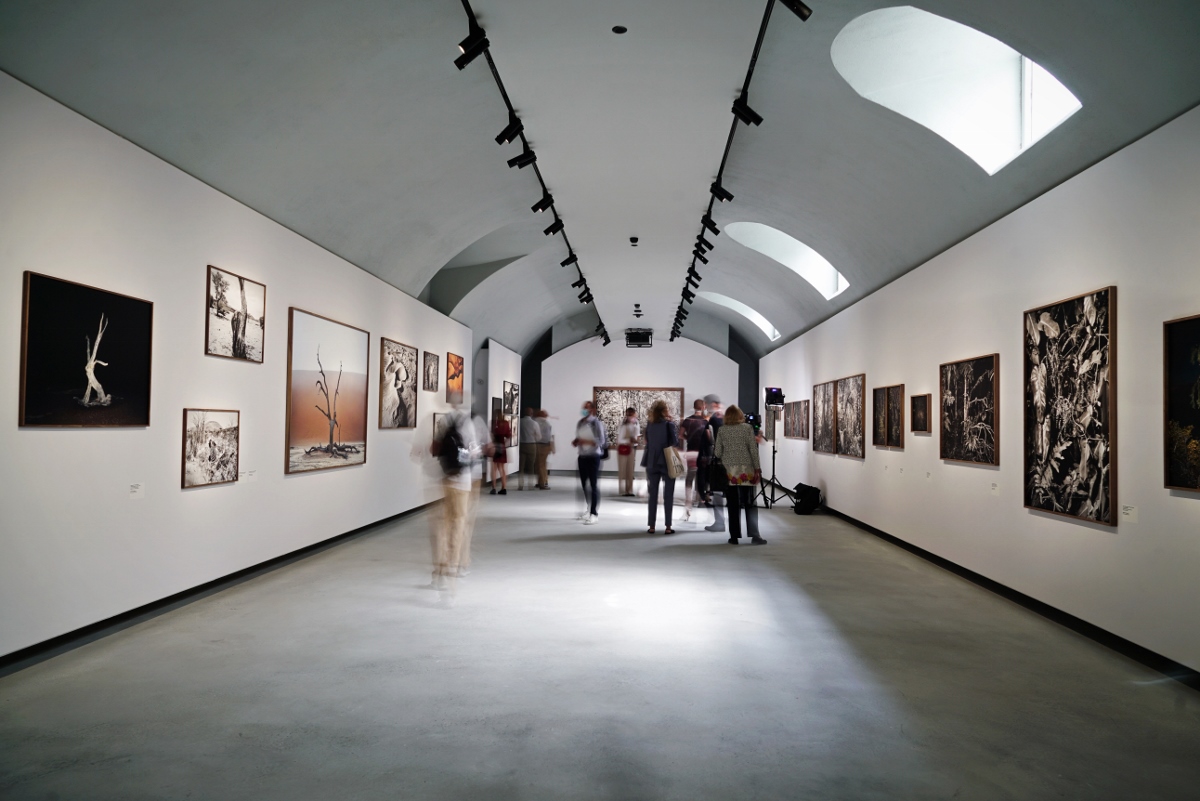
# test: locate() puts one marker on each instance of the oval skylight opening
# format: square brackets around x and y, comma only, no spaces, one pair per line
[791,253]
[750,314]
[976,92]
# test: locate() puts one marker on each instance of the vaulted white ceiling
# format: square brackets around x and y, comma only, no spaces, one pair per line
[349,123]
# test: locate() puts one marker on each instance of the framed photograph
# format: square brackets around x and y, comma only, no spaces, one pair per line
[210,447]
[431,367]
[851,402]
[789,419]
[611,402]
[397,384]
[454,378]
[497,410]
[235,321]
[921,408]
[512,399]
[85,356]
[1181,403]
[879,417]
[439,421]
[824,418]
[802,419]
[970,410]
[895,416]
[1071,407]
[326,393]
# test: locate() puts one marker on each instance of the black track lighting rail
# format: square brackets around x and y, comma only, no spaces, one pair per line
[744,114]
[475,45]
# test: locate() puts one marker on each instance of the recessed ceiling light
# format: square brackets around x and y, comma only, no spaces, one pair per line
[620,29]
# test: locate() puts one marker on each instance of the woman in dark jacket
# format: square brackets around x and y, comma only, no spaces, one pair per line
[737,449]
[661,432]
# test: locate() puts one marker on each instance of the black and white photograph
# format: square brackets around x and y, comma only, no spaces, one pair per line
[879,417]
[1071,407]
[431,367]
[970,413]
[85,356]
[824,418]
[512,399]
[768,428]
[1181,396]
[210,447]
[851,404]
[802,419]
[611,403]
[921,413]
[397,384]
[895,416]
[236,319]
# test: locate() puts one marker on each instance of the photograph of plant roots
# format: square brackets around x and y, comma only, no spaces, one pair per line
[1181,343]
[970,410]
[1070,407]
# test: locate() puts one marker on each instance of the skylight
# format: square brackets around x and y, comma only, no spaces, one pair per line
[976,92]
[791,253]
[750,314]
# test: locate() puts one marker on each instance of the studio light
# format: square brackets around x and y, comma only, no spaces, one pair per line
[546,202]
[720,193]
[773,397]
[511,131]
[554,227]
[569,260]
[742,110]
[707,222]
[704,243]
[475,43]
[799,9]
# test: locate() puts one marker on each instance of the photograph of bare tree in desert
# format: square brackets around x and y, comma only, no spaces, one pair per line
[327,393]
[454,378]
[397,384]
[970,410]
[85,356]
[1181,343]
[210,447]
[236,317]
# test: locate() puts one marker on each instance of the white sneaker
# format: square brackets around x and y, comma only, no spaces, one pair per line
[591,520]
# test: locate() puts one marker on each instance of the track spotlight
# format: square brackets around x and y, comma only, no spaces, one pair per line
[511,131]
[799,9]
[569,260]
[720,193]
[688,294]
[699,255]
[692,272]
[704,243]
[683,311]
[546,202]
[475,43]
[523,159]
[693,280]
[579,283]
[607,342]
[742,110]
[554,227]
[707,222]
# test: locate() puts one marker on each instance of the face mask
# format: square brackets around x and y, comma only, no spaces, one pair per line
[583,412]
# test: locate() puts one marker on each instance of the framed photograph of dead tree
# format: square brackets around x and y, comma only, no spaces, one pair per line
[210,447]
[431,368]
[397,384]
[454,378]
[512,399]
[802,419]
[895,416]
[85,356]
[1181,403]
[326,394]
[921,413]
[970,410]
[236,316]
[879,417]
[824,417]
[1071,407]
[610,404]
[851,401]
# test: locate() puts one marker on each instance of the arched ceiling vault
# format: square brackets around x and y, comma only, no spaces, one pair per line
[349,123]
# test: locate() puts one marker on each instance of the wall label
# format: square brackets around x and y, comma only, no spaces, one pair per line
[1129,514]
[137,492]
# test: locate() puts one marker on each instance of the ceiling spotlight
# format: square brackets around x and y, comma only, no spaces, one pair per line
[569,260]
[692,272]
[799,9]
[707,222]
[511,131]
[687,293]
[580,282]
[638,315]
[699,255]
[554,227]
[546,202]
[607,342]
[475,43]
[683,311]
[599,328]
[523,159]
[720,193]
[704,243]
[742,110]
[693,280]
[586,299]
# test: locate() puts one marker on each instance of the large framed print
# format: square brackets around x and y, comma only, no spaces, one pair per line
[921,413]
[431,367]
[235,319]
[454,378]
[85,356]
[824,418]
[851,403]
[802,419]
[879,412]
[397,384]
[970,410]
[610,404]
[895,416]
[211,444]
[512,399]
[326,393]
[1071,407]
[1181,403]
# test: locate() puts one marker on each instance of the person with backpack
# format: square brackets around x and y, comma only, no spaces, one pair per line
[457,449]
[591,442]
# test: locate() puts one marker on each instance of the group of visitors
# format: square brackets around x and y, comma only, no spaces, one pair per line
[535,445]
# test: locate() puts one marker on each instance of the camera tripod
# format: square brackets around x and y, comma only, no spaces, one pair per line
[771,498]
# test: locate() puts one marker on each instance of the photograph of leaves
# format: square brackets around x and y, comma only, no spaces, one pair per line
[970,401]
[1181,395]
[1071,407]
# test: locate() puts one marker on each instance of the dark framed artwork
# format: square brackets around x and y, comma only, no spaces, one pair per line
[235,319]
[610,404]
[211,440]
[85,356]
[497,409]
[439,422]
[802,419]
[970,410]
[895,416]
[454,378]
[921,413]
[512,399]
[879,417]
[1181,403]
[851,417]
[824,417]
[431,368]
[326,393]
[397,384]
[1071,407]
[787,420]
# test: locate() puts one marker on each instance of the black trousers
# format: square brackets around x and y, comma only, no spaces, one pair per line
[742,497]
[589,472]
[702,476]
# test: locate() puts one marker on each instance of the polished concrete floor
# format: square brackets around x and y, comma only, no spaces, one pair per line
[599,663]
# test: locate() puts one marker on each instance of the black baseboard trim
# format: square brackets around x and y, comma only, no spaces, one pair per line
[1131,650]
[48,649]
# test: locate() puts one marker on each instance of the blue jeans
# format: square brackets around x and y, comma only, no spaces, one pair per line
[589,471]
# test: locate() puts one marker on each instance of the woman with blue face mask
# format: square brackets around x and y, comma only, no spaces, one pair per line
[591,443]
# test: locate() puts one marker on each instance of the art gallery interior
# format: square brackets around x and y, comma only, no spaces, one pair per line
[215,589]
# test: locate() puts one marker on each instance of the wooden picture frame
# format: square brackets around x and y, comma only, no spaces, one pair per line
[824,418]
[1181,415]
[963,440]
[895,416]
[879,419]
[610,404]
[921,413]
[207,464]
[431,372]
[512,399]
[851,422]
[802,418]
[254,340]
[455,378]
[398,370]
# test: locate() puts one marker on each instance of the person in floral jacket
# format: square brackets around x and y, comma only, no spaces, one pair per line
[737,449]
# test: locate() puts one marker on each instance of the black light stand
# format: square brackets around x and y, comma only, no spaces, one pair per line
[773,402]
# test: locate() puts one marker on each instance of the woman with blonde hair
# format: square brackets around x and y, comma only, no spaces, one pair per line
[737,449]
[661,433]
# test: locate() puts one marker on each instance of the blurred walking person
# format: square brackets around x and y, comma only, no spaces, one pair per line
[501,439]
[661,433]
[591,442]
[545,447]
[695,431]
[716,418]
[737,448]
[628,434]
[457,449]
[527,452]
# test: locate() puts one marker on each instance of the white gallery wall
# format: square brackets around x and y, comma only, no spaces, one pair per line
[1132,221]
[569,375]
[503,365]
[81,204]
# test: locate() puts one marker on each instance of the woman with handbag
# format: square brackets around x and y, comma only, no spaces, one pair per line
[628,434]
[662,467]
[737,449]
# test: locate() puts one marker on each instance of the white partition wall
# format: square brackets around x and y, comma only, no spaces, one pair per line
[81,204]
[504,365]
[1132,221]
